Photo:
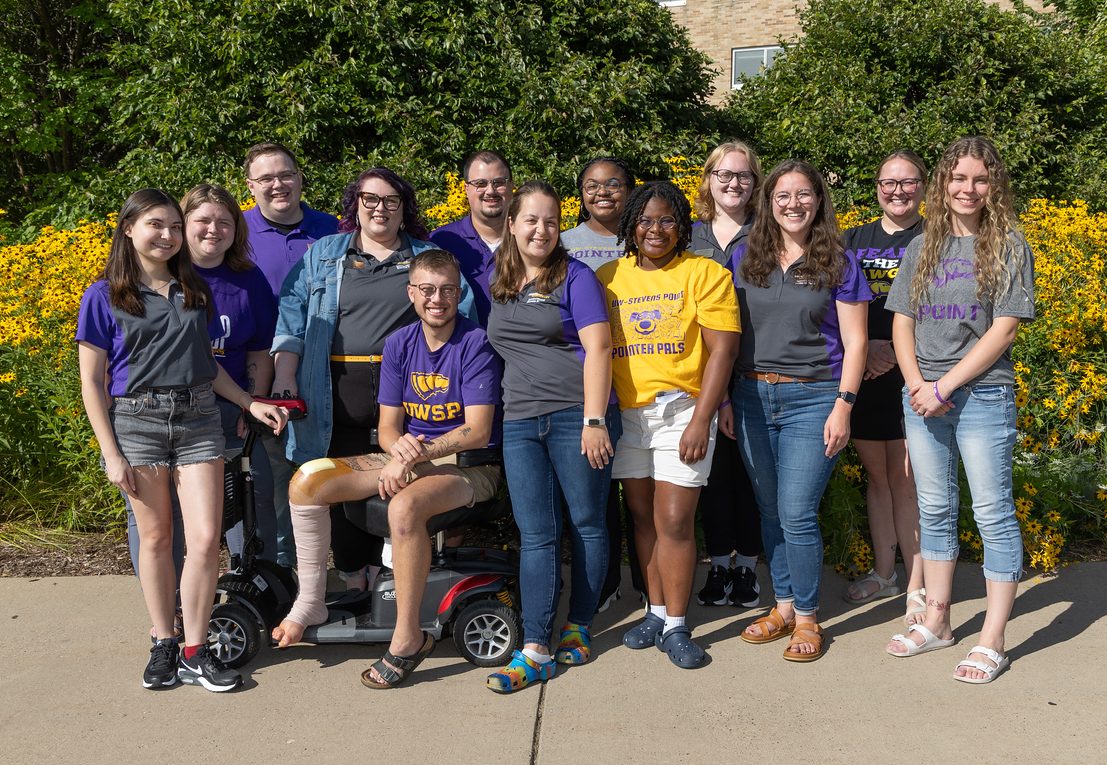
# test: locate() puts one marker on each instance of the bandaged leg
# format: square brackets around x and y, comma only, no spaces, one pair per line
[311,526]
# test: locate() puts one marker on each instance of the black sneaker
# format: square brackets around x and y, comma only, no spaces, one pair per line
[717,588]
[607,598]
[744,591]
[206,670]
[161,670]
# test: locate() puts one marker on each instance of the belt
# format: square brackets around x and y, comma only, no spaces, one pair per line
[775,377]
[369,359]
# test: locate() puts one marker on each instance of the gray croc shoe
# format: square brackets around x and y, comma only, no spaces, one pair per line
[677,643]
[642,635]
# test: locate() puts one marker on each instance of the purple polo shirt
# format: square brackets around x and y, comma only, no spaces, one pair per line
[276,252]
[245,317]
[462,241]
[537,334]
[434,387]
[788,326]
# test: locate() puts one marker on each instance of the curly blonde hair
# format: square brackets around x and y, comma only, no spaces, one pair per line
[995,261]
[705,203]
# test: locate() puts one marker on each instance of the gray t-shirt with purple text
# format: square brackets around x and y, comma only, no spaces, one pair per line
[950,319]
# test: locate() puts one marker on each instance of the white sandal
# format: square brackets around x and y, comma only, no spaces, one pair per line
[991,671]
[916,604]
[886,588]
[931,642]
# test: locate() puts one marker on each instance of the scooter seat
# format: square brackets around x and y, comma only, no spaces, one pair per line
[371,515]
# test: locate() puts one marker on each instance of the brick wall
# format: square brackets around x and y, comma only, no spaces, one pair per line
[717,26]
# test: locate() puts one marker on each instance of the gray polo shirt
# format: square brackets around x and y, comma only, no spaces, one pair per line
[950,319]
[791,328]
[705,244]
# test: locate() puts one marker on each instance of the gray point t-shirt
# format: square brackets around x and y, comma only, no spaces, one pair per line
[590,248]
[949,319]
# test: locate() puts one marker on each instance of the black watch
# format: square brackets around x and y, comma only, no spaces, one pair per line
[849,398]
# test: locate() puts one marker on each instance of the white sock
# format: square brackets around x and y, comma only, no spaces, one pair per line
[673,621]
[749,561]
[658,611]
[720,561]
[537,658]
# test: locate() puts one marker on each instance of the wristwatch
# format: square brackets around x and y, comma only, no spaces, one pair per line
[594,422]
[849,398]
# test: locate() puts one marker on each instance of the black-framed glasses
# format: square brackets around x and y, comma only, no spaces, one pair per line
[269,180]
[668,223]
[611,184]
[889,185]
[481,184]
[448,291]
[745,177]
[371,201]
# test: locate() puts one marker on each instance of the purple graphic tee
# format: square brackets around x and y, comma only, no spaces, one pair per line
[245,317]
[434,387]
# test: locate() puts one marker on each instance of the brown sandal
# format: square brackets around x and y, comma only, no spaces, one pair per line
[772,627]
[400,669]
[808,632]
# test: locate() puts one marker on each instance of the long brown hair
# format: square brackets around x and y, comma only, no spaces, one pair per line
[238,256]
[122,271]
[705,203]
[510,270]
[824,256]
[998,224]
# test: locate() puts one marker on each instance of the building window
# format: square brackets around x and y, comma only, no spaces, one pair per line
[750,62]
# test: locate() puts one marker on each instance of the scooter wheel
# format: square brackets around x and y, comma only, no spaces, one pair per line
[486,632]
[234,635]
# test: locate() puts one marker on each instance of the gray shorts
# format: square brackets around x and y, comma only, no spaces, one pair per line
[168,427]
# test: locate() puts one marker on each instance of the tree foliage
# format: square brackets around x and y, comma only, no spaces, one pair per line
[414,84]
[871,76]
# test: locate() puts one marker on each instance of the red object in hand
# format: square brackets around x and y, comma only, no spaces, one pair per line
[296,407]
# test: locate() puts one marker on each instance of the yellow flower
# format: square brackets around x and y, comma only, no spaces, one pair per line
[1030,489]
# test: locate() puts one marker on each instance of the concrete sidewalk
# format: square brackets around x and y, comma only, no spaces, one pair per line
[72,652]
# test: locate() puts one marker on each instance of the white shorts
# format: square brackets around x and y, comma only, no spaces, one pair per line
[650,444]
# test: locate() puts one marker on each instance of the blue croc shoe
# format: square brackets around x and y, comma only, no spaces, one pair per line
[519,673]
[643,634]
[677,644]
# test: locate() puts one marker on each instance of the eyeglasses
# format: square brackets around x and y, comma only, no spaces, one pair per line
[370,201]
[726,176]
[667,223]
[889,185]
[448,291]
[480,184]
[803,197]
[612,185]
[269,180]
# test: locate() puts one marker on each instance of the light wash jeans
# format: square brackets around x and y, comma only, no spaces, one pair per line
[543,462]
[980,430]
[780,435]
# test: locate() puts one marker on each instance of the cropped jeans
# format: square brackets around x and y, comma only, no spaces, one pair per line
[780,434]
[980,430]
[543,463]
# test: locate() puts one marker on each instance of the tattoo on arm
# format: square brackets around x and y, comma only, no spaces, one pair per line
[448,443]
[365,462]
[251,372]
[938,605]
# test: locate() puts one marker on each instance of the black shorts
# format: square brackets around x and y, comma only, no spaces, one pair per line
[878,413]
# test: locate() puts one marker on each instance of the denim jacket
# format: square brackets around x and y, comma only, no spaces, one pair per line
[306,325]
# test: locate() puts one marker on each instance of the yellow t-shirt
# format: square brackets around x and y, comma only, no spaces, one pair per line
[656,344]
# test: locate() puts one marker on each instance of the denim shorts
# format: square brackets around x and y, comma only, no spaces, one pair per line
[168,427]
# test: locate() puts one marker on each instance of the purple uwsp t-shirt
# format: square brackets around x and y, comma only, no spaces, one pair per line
[790,328]
[245,317]
[434,387]
[166,348]
[537,334]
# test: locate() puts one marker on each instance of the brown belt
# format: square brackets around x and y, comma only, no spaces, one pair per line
[775,377]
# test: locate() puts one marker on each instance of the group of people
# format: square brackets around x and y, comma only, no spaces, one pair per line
[601,364]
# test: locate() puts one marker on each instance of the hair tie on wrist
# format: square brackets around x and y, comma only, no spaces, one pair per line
[938,395]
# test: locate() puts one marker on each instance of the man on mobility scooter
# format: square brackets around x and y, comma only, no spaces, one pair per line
[439,396]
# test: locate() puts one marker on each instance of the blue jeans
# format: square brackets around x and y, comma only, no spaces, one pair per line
[780,434]
[980,429]
[543,463]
